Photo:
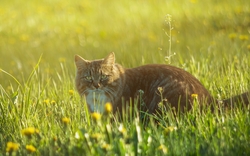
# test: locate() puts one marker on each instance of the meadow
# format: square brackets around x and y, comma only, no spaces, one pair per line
[41,113]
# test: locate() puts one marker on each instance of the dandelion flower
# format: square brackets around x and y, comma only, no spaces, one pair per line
[243,37]
[30,148]
[232,36]
[194,96]
[248,47]
[163,148]
[96,136]
[170,129]
[71,92]
[46,101]
[66,120]
[29,131]
[108,107]
[96,116]
[160,147]
[105,146]
[11,146]
[53,102]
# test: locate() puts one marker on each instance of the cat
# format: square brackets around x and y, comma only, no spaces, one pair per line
[104,81]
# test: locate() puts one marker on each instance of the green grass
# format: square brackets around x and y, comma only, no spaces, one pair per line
[38,41]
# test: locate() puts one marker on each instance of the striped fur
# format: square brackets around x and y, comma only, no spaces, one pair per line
[102,81]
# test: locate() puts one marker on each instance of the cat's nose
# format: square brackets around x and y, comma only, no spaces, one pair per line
[96,85]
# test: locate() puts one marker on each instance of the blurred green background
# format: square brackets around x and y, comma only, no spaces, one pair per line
[212,32]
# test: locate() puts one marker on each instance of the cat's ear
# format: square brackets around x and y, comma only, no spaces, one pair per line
[110,59]
[80,62]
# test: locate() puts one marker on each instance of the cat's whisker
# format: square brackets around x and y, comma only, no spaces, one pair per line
[83,93]
[110,92]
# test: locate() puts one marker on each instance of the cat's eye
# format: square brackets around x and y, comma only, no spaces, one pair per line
[104,77]
[88,78]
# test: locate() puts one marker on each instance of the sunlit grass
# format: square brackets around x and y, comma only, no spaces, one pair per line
[40,112]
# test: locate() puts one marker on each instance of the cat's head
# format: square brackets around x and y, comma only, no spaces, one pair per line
[97,81]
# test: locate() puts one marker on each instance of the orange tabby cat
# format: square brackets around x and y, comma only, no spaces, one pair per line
[102,81]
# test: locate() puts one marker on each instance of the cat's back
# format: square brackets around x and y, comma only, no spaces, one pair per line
[176,83]
[162,71]
[167,75]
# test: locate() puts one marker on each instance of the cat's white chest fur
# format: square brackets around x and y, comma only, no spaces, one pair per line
[96,100]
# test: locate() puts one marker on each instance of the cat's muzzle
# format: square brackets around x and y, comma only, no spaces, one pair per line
[96,100]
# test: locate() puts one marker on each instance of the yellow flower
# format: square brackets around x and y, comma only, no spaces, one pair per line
[29,131]
[66,120]
[163,148]
[11,146]
[53,102]
[243,37]
[96,116]
[46,101]
[30,148]
[232,36]
[170,129]
[71,92]
[248,47]
[96,136]
[105,146]
[108,107]
[194,96]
